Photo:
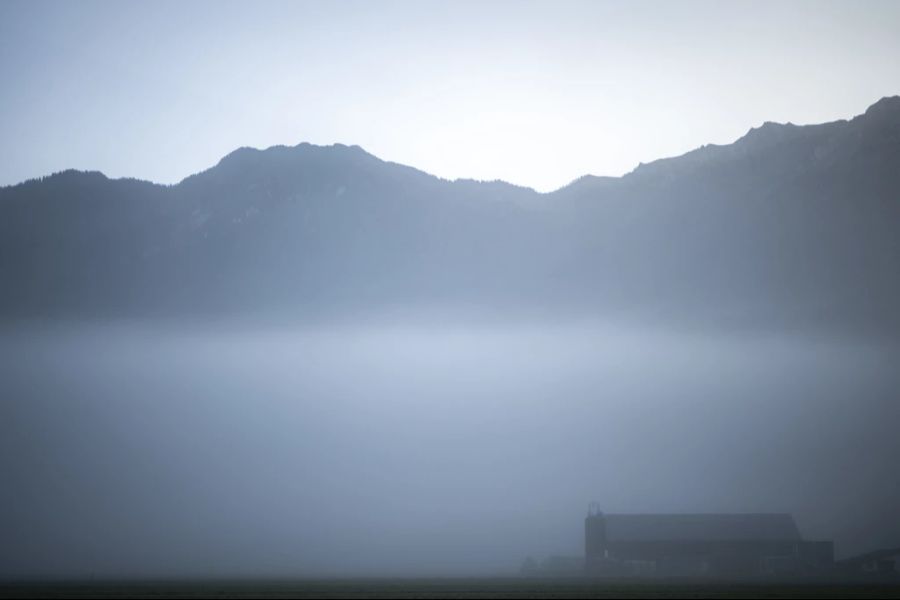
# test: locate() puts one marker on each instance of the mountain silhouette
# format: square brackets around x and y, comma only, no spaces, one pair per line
[789,226]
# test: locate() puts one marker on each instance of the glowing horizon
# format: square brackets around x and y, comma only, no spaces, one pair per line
[534,94]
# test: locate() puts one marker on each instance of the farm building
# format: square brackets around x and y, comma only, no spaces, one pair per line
[884,561]
[700,545]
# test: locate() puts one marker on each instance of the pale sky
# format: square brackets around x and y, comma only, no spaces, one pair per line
[533,93]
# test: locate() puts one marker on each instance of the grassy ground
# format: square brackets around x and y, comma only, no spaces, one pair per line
[457,588]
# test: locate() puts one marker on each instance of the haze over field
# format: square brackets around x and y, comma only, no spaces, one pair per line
[405,450]
[309,360]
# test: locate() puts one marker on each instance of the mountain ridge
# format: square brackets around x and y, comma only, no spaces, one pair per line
[789,225]
[888,105]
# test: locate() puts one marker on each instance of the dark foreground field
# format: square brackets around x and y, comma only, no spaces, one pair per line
[457,588]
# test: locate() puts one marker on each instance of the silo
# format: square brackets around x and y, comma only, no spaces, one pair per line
[594,534]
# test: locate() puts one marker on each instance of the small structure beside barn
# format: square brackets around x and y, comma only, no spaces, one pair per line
[712,544]
[880,562]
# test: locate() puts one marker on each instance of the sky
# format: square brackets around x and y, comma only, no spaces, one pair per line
[534,93]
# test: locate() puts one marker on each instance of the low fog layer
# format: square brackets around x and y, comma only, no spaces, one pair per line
[137,450]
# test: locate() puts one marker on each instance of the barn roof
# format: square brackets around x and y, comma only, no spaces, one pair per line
[701,527]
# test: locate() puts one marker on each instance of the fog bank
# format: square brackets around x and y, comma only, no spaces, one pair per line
[398,449]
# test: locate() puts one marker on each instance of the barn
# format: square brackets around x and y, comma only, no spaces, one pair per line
[711,544]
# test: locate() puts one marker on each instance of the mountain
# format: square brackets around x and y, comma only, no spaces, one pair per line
[789,226]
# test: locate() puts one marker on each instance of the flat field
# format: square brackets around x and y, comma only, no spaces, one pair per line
[456,588]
